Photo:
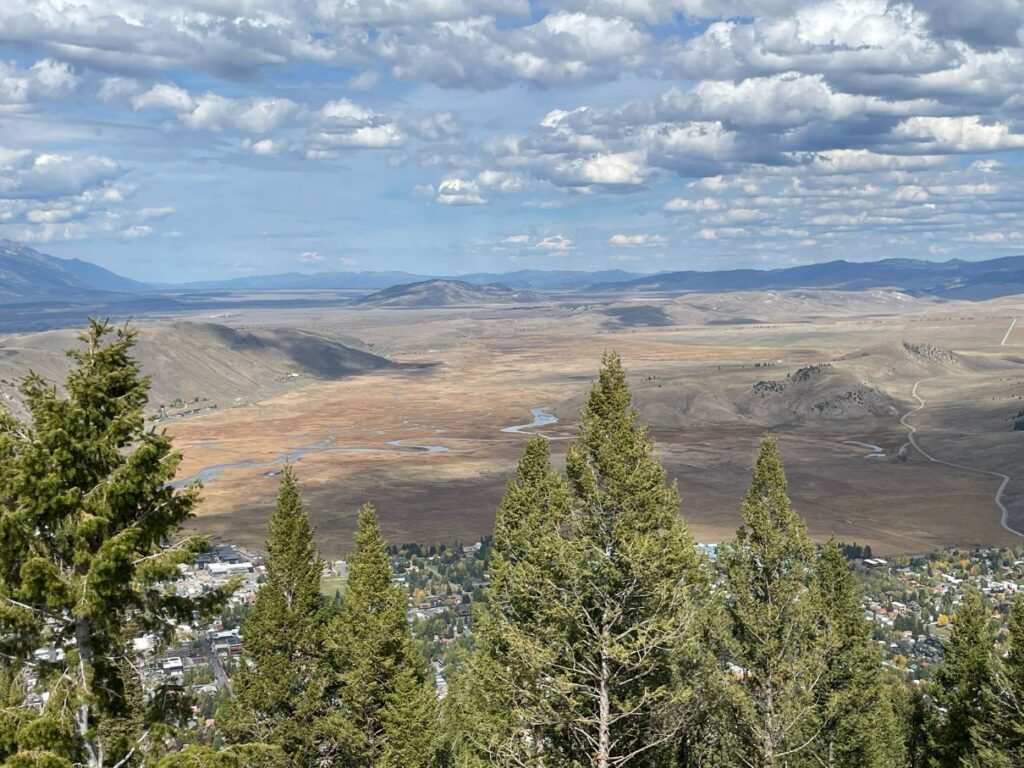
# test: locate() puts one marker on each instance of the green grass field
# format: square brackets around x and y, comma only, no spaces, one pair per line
[330,585]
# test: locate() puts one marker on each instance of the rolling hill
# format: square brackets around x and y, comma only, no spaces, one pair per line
[202,365]
[444,293]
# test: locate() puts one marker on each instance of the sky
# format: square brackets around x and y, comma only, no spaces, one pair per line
[201,139]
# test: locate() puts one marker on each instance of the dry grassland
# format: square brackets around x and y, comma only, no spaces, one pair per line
[495,364]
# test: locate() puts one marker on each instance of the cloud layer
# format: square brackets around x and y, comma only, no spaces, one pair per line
[672,134]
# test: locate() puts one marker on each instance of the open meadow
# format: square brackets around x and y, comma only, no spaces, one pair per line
[832,374]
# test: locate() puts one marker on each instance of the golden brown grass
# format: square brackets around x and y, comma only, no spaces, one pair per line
[496,365]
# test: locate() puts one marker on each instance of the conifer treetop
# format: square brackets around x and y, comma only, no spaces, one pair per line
[369,566]
[278,685]
[89,532]
[767,512]
[293,560]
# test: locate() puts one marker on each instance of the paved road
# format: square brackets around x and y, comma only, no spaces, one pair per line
[219,674]
[912,440]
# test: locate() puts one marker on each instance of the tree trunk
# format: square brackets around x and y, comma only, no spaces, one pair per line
[83,639]
[768,742]
[603,708]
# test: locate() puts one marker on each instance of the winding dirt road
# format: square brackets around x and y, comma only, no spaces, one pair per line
[912,440]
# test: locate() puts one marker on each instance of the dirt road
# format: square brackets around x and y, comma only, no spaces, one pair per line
[912,440]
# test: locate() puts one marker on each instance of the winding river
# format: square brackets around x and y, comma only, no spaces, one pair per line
[323,446]
[876,450]
[541,418]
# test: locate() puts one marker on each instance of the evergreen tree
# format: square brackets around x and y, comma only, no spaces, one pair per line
[282,664]
[775,639]
[966,673]
[999,737]
[859,725]
[917,721]
[383,710]
[500,710]
[87,524]
[409,721]
[611,586]
[632,591]
[235,756]
[30,738]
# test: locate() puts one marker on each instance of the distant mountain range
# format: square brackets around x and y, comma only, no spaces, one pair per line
[26,275]
[955,279]
[445,293]
[526,279]
[550,280]
[299,281]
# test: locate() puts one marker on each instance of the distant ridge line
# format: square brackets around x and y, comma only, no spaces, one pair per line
[27,274]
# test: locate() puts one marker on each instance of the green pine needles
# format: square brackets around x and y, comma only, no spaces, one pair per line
[282,664]
[328,688]
[586,649]
[605,641]
[386,713]
[88,534]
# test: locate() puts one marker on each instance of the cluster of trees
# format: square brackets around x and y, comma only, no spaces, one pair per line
[978,717]
[442,572]
[855,551]
[319,686]
[606,640]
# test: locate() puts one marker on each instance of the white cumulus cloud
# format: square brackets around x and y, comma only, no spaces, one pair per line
[636,240]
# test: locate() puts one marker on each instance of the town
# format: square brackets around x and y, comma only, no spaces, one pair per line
[442,583]
[911,601]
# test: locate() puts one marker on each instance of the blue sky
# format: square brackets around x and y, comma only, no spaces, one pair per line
[196,139]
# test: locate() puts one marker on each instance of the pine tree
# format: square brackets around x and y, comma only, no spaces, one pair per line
[282,665]
[775,638]
[234,756]
[611,584]
[382,710]
[966,673]
[410,723]
[859,725]
[500,710]
[30,738]
[88,520]
[999,737]
[634,590]
[917,720]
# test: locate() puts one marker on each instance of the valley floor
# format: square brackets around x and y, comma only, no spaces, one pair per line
[425,444]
